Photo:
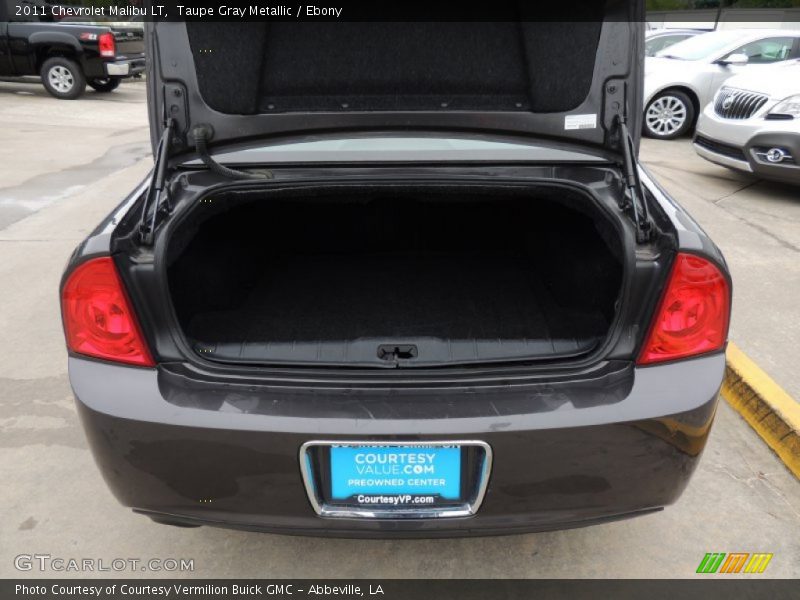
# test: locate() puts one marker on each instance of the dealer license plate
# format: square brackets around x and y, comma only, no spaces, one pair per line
[395,475]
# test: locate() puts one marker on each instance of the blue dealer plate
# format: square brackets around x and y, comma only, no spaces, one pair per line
[395,470]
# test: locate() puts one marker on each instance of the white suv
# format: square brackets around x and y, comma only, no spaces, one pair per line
[753,124]
[682,79]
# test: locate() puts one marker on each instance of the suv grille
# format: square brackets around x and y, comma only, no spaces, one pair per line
[738,104]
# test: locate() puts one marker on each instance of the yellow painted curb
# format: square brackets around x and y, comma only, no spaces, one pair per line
[764,405]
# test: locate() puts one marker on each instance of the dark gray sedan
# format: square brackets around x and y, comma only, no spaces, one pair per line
[399,279]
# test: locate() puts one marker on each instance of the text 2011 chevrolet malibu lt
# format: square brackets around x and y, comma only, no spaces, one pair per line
[399,279]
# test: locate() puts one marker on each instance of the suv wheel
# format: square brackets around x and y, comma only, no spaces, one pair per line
[63,78]
[669,115]
[109,84]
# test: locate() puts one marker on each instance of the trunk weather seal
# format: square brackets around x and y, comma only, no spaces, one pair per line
[596,355]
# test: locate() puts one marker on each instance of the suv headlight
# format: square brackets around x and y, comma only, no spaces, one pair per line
[788,107]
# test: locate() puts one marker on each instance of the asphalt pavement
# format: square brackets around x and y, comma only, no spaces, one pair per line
[65,165]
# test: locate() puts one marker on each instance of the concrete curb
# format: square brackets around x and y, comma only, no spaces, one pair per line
[764,405]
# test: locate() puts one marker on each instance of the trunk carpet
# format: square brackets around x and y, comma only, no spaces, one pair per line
[328,298]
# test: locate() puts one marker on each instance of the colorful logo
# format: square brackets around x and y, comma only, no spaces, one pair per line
[735,562]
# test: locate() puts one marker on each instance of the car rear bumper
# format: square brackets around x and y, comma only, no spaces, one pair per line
[125,67]
[182,450]
[742,145]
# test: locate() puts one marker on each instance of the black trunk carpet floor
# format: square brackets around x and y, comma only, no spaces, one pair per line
[312,307]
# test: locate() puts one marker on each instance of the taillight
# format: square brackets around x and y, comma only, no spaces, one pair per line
[107,45]
[98,318]
[692,317]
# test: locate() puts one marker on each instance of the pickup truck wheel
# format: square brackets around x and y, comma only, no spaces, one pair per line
[63,78]
[109,84]
[668,116]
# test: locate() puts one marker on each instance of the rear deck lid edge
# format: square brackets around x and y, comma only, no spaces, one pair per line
[281,107]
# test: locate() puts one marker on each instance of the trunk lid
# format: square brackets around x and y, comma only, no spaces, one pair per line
[246,81]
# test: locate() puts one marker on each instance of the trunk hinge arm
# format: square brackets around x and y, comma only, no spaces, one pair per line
[638,201]
[202,134]
[158,181]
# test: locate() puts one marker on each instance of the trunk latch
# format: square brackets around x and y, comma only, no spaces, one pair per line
[394,352]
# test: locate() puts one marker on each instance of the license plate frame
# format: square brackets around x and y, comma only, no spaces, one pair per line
[475,468]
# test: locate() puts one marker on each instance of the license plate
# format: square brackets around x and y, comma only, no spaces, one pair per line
[395,475]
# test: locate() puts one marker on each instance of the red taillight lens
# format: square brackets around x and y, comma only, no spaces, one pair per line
[693,315]
[98,318]
[107,45]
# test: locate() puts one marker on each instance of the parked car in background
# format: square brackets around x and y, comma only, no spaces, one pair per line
[68,56]
[753,124]
[682,79]
[657,40]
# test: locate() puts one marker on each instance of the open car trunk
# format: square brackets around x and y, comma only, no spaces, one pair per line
[416,276]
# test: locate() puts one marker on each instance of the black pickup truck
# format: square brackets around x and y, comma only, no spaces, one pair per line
[68,55]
